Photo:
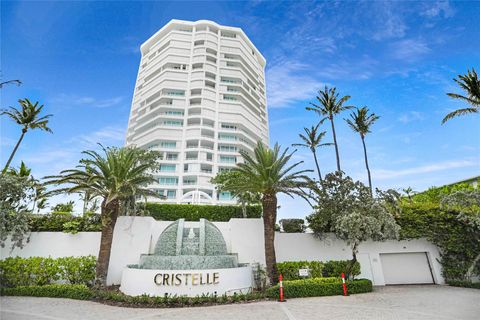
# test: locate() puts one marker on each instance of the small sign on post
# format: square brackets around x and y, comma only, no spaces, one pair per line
[304,272]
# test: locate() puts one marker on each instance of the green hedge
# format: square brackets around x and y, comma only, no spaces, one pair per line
[293,225]
[192,212]
[289,269]
[64,222]
[464,284]
[316,287]
[75,291]
[39,271]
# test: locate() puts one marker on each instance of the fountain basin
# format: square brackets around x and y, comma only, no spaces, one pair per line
[191,283]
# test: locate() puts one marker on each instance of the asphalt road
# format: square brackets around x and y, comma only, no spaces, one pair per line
[392,302]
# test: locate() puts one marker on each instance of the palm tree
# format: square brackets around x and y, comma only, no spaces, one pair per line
[115,177]
[268,172]
[329,106]
[360,122]
[28,118]
[22,171]
[312,139]
[471,85]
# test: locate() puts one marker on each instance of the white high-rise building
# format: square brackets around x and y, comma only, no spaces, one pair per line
[199,99]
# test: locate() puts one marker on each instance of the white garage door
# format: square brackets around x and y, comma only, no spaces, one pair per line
[406,268]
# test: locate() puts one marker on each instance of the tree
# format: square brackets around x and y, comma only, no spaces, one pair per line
[268,173]
[347,209]
[471,85]
[227,180]
[15,194]
[114,176]
[22,171]
[360,121]
[64,207]
[28,118]
[312,139]
[329,106]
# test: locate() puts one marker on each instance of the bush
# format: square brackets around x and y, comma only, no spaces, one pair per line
[335,268]
[192,212]
[289,269]
[293,225]
[39,271]
[316,287]
[78,291]
[65,222]
[464,284]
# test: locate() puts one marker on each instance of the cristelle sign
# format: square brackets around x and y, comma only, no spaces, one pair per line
[194,279]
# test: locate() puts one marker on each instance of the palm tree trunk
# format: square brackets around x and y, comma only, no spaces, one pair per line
[14,151]
[366,165]
[109,218]
[269,204]
[316,163]
[335,143]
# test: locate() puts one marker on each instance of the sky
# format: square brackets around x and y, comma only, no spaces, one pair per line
[80,59]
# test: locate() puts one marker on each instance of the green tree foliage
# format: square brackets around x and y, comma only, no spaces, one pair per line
[29,118]
[194,212]
[226,181]
[330,105]
[269,172]
[361,122]
[347,209]
[293,225]
[312,139]
[115,176]
[15,195]
[470,84]
[64,207]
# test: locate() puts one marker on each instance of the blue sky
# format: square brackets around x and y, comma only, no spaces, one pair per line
[80,59]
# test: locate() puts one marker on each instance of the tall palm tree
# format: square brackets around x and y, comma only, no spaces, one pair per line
[268,172]
[329,106]
[312,139]
[29,118]
[471,85]
[361,121]
[115,177]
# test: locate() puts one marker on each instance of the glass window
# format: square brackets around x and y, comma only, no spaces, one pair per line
[228,159]
[171,194]
[168,181]
[173,123]
[227,137]
[167,167]
[168,144]
[225,196]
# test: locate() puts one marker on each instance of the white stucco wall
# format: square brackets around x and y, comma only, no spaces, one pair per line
[136,235]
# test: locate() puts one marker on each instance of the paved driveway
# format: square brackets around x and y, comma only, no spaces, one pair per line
[393,302]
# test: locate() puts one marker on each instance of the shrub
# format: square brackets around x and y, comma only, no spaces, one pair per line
[65,222]
[289,269]
[192,212]
[39,271]
[464,284]
[293,225]
[335,268]
[78,291]
[319,287]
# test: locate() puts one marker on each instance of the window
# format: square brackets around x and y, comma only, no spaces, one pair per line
[224,169]
[229,137]
[171,156]
[171,194]
[167,168]
[230,98]
[228,126]
[173,123]
[168,180]
[227,148]
[174,93]
[225,196]
[228,34]
[168,144]
[174,113]
[188,181]
[228,159]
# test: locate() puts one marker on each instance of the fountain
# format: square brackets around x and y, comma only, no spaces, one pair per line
[189,259]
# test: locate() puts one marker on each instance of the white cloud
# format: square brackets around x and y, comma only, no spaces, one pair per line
[383,174]
[106,136]
[410,117]
[409,49]
[75,100]
[437,9]
[287,82]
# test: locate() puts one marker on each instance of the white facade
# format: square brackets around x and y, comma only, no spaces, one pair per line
[199,99]
[134,236]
